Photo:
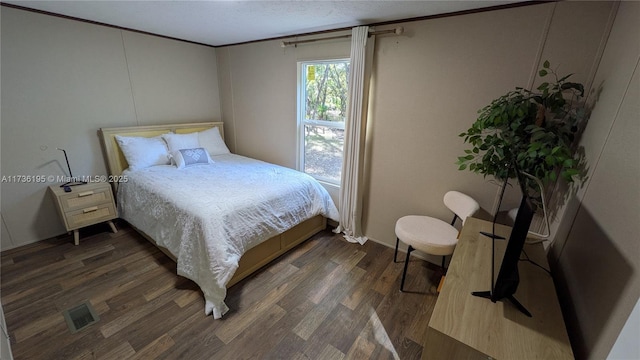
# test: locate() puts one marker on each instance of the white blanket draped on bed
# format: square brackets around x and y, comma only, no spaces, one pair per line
[208,216]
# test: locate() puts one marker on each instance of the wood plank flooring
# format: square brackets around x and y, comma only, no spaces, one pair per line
[325,299]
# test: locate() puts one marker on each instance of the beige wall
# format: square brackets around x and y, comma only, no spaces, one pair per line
[62,80]
[426,89]
[428,86]
[597,252]
[258,83]
[258,96]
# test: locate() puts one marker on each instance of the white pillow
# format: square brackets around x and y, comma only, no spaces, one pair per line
[190,157]
[212,141]
[142,152]
[177,142]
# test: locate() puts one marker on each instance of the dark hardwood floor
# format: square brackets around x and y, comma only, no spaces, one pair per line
[325,299]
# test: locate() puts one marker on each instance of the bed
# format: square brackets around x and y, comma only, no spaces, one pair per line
[219,221]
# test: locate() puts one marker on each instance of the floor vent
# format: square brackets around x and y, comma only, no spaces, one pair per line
[80,317]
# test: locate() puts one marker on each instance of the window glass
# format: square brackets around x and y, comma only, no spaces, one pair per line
[322,106]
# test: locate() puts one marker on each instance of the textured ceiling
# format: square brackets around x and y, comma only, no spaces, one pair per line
[229,22]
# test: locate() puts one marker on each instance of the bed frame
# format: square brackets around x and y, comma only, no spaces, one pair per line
[253,259]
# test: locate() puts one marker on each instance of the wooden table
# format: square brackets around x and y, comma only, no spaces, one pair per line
[467,327]
[85,205]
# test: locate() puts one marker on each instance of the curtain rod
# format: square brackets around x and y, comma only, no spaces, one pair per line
[397,31]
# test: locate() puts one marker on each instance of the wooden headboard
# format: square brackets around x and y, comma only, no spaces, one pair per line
[116,162]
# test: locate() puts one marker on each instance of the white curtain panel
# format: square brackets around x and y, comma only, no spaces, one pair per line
[350,187]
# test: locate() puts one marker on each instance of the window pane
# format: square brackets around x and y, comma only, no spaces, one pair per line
[322,111]
[326,91]
[323,152]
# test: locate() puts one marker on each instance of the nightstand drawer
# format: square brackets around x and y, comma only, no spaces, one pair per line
[83,199]
[90,215]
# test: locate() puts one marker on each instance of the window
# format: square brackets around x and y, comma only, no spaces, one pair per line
[322,107]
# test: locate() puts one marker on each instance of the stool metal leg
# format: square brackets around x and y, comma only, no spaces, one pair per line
[395,254]
[443,264]
[406,263]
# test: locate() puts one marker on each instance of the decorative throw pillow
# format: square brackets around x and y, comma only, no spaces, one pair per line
[190,157]
[177,142]
[142,152]
[212,141]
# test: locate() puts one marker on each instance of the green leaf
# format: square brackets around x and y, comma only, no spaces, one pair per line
[505,131]
[572,172]
[462,167]
[538,135]
[568,163]
[550,160]
[544,152]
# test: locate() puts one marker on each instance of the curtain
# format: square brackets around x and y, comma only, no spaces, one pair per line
[350,203]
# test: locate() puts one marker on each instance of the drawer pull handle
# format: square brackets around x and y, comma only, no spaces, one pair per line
[86,193]
[91,209]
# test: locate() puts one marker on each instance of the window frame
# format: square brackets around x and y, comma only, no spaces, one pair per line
[302,122]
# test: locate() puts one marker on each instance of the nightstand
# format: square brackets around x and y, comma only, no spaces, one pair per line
[85,205]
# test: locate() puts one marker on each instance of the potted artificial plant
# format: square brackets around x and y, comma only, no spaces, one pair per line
[535,130]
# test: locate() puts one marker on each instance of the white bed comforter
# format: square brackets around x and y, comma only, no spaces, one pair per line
[208,216]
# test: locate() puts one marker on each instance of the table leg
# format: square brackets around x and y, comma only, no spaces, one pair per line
[76,236]
[442,278]
[113,227]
